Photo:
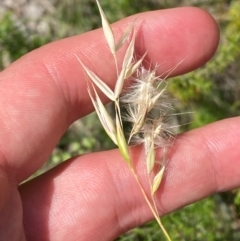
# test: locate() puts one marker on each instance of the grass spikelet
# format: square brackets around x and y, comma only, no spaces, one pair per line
[122,144]
[147,107]
[107,30]
[104,117]
[101,85]
[157,180]
[124,37]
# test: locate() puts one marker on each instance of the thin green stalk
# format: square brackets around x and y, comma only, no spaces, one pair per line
[153,208]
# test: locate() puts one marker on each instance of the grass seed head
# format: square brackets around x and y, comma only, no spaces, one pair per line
[147,106]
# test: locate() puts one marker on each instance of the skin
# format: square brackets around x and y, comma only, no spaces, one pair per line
[94,196]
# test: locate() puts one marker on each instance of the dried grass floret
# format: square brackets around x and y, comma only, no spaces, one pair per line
[144,97]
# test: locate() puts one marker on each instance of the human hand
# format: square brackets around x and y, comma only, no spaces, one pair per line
[95,197]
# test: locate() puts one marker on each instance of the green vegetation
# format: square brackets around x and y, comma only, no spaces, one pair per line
[200,221]
[212,92]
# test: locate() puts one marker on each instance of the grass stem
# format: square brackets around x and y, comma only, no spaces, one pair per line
[153,207]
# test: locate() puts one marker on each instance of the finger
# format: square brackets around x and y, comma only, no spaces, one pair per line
[95,196]
[44,91]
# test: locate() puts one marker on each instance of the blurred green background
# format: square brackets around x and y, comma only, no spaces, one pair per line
[212,92]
